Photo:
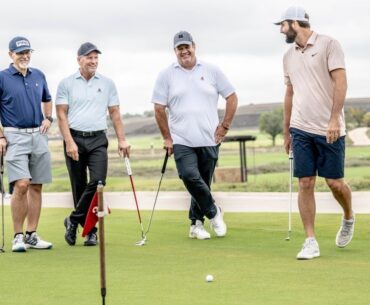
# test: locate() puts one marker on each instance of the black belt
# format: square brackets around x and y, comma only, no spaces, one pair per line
[86,134]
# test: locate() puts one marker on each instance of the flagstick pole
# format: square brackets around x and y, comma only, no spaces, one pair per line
[103,289]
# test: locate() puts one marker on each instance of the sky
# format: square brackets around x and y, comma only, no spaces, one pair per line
[136,40]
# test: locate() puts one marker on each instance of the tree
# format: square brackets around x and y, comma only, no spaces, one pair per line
[272,123]
[366,119]
[357,115]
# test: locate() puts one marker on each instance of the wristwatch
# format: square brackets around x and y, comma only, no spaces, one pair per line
[50,118]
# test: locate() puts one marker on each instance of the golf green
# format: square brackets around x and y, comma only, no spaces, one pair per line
[252,265]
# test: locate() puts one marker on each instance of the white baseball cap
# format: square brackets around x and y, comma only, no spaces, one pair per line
[295,13]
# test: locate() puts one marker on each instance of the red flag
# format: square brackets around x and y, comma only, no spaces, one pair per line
[91,217]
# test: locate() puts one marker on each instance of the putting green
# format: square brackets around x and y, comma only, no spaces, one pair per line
[252,265]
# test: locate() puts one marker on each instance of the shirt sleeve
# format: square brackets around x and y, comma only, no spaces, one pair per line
[46,96]
[224,87]
[161,90]
[113,95]
[335,56]
[286,75]
[62,96]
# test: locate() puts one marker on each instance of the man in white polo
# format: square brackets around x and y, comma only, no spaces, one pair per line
[190,89]
[314,127]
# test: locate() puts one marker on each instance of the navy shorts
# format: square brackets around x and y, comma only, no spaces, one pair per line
[314,156]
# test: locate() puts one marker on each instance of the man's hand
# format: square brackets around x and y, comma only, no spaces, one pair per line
[45,126]
[333,132]
[220,133]
[287,142]
[168,145]
[72,150]
[3,144]
[124,148]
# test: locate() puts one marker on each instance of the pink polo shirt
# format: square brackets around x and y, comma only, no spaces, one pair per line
[308,71]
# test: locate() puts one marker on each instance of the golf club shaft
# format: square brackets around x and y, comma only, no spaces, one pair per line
[159,186]
[103,289]
[2,203]
[129,172]
[290,192]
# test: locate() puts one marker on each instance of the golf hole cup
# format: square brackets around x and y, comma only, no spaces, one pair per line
[209,278]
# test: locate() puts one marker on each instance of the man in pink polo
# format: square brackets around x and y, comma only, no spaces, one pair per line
[314,127]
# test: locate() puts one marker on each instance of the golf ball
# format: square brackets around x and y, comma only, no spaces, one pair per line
[209,278]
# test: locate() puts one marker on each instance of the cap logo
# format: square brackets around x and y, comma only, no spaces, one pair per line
[21,43]
[181,36]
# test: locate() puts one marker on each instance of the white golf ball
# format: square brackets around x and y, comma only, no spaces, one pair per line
[209,278]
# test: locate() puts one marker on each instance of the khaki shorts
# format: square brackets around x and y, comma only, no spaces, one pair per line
[28,157]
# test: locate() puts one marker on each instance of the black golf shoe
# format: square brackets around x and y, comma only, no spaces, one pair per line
[91,239]
[70,235]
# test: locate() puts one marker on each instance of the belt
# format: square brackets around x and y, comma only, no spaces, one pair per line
[86,134]
[25,130]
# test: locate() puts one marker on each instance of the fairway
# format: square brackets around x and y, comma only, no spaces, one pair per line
[252,265]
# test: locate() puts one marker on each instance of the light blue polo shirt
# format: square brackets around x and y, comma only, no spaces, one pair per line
[87,101]
[191,97]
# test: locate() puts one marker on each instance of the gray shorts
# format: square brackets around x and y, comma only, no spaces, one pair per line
[28,157]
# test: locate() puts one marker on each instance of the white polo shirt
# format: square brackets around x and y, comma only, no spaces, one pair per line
[87,101]
[308,71]
[191,97]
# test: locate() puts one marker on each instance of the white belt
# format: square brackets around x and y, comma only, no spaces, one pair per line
[25,130]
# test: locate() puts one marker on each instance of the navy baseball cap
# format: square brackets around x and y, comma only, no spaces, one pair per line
[87,48]
[19,44]
[182,37]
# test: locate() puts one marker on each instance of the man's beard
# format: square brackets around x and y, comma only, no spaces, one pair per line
[290,35]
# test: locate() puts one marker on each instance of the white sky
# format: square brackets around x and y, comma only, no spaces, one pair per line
[136,36]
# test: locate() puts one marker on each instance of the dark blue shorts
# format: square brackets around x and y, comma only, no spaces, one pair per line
[314,156]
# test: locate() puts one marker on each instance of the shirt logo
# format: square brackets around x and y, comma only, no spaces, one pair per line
[99,90]
[314,54]
[21,43]
[202,78]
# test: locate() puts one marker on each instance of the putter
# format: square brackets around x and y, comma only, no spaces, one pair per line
[143,240]
[2,249]
[129,172]
[101,214]
[291,195]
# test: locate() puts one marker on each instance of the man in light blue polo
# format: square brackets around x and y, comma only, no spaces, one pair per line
[83,102]
[24,142]
[190,89]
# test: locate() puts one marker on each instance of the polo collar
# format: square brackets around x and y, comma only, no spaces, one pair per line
[78,75]
[14,71]
[310,42]
[177,65]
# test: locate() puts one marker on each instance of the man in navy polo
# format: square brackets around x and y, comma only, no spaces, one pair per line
[24,142]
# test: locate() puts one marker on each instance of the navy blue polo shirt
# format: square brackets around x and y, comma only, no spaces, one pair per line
[21,97]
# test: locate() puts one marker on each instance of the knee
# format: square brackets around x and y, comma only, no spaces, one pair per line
[189,175]
[307,183]
[22,186]
[335,185]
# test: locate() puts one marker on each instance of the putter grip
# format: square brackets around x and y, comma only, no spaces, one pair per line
[128,166]
[164,163]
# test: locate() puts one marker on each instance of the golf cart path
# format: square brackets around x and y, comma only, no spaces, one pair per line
[230,201]
[359,136]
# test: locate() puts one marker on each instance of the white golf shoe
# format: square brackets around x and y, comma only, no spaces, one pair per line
[310,249]
[18,243]
[217,223]
[35,242]
[198,231]
[345,233]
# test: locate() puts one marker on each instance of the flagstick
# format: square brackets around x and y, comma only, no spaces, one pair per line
[101,212]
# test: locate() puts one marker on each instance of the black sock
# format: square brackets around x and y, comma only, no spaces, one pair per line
[17,234]
[29,233]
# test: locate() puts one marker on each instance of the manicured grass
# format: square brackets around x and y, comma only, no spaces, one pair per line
[253,265]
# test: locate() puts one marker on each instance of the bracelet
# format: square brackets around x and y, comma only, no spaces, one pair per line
[2,138]
[224,127]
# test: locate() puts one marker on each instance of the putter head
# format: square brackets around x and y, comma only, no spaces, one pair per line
[141,242]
